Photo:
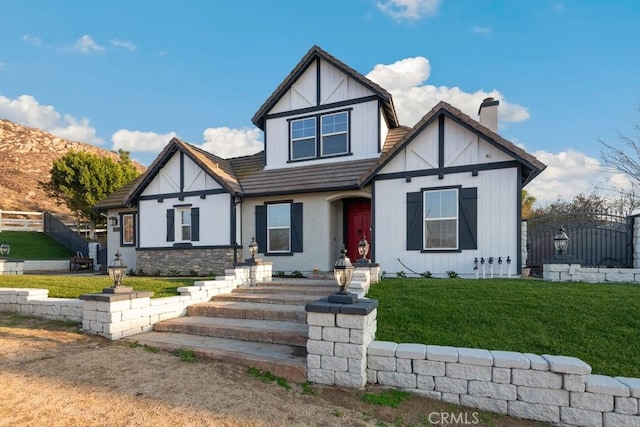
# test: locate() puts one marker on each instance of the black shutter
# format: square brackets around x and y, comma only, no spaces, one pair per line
[296,227]
[468,211]
[261,228]
[195,224]
[171,227]
[415,222]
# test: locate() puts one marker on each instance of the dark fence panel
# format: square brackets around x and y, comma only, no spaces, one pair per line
[64,235]
[598,240]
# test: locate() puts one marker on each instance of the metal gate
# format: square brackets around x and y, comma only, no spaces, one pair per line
[596,239]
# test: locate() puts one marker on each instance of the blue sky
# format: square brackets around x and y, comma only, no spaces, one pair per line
[131,75]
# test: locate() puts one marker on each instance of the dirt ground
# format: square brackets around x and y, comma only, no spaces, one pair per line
[53,375]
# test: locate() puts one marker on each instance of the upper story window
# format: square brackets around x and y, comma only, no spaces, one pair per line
[303,138]
[335,138]
[441,219]
[323,135]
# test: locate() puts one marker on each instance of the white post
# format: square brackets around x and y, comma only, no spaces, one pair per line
[0,220]
[484,272]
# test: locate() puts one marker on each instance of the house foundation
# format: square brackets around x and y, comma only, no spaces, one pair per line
[187,261]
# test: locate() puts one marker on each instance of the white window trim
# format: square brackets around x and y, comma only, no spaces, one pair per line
[322,135]
[269,228]
[179,224]
[315,138]
[425,219]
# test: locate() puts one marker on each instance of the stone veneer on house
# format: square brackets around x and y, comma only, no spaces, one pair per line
[170,261]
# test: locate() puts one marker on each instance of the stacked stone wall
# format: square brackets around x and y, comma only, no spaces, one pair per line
[186,261]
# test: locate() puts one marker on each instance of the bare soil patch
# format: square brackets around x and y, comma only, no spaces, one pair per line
[50,374]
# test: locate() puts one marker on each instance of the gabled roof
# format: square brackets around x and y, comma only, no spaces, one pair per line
[218,168]
[314,53]
[532,166]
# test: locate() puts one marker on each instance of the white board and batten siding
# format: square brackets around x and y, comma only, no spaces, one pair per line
[127,253]
[363,137]
[497,229]
[463,147]
[215,209]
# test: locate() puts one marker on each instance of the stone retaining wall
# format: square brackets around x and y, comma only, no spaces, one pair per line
[11,266]
[36,302]
[46,265]
[545,388]
[185,261]
[577,273]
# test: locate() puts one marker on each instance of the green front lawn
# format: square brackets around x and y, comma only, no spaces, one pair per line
[598,323]
[68,286]
[33,245]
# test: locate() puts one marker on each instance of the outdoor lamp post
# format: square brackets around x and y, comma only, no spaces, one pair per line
[253,249]
[561,241]
[343,271]
[363,249]
[117,271]
[5,248]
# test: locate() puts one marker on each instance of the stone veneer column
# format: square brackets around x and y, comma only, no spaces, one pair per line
[339,334]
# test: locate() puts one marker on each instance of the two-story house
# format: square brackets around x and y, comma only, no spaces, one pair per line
[336,166]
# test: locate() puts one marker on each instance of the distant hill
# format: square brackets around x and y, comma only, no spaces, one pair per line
[26,157]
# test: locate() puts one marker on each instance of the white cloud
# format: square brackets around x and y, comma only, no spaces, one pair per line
[26,110]
[226,142]
[32,40]
[570,173]
[86,45]
[413,99]
[137,141]
[223,142]
[163,53]
[126,44]
[411,10]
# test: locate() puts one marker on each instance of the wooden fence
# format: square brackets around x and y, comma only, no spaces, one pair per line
[21,221]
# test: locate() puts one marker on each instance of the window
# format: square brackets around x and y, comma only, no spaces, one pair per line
[320,136]
[334,134]
[278,228]
[184,224]
[441,219]
[303,138]
[128,231]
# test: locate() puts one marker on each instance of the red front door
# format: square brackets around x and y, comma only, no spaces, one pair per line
[358,224]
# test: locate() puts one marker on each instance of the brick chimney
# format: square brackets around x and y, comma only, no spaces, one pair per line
[488,113]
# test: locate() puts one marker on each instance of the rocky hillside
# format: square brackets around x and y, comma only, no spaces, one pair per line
[26,157]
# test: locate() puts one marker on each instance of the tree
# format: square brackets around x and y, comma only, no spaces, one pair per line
[527,204]
[80,179]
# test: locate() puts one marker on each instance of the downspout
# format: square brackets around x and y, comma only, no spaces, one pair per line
[236,201]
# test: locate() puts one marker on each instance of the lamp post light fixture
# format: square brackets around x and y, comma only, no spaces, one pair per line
[117,271]
[5,248]
[253,249]
[363,249]
[561,241]
[343,271]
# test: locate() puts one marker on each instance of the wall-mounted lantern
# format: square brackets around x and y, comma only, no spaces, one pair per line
[113,221]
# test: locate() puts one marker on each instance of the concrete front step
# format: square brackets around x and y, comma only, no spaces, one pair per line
[281,360]
[287,290]
[248,310]
[299,283]
[268,298]
[268,331]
